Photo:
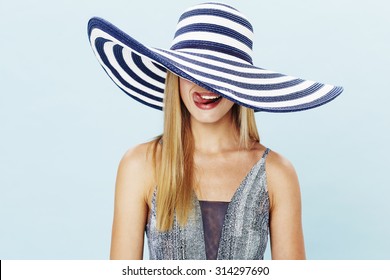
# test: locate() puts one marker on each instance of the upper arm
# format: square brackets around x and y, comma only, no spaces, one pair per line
[130,207]
[285,211]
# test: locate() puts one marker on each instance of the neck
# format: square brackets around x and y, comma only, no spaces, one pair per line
[216,137]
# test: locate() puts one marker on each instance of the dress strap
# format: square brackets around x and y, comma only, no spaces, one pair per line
[265,154]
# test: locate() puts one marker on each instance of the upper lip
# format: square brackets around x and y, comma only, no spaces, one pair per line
[207,95]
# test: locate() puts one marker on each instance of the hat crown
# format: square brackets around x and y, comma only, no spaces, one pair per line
[214,29]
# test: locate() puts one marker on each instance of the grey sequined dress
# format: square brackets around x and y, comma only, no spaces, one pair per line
[245,228]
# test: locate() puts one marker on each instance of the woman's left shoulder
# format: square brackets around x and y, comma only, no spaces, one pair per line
[285,208]
[277,164]
[282,179]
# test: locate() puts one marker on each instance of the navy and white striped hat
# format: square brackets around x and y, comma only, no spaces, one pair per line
[212,48]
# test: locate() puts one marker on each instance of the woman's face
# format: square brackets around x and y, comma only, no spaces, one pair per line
[203,105]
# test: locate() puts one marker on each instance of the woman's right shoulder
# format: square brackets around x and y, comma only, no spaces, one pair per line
[136,168]
[141,154]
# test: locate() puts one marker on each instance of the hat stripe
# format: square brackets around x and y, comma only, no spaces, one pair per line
[212,35]
[257,101]
[274,95]
[278,98]
[117,50]
[332,94]
[158,80]
[221,67]
[217,29]
[117,78]
[158,66]
[308,89]
[222,56]
[190,68]
[209,19]
[132,77]
[315,99]
[220,60]
[218,13]
[253,86]
[141,65]
[249,93]
[215,47]
[304,89]
[100,45]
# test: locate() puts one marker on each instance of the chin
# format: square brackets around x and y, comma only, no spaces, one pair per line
[209,117]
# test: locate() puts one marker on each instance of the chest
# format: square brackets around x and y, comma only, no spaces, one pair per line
[217,178]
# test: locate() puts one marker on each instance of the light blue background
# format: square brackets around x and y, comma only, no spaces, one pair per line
[64,125]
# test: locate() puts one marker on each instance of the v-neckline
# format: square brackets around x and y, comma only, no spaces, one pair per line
[235,194]
[238,186]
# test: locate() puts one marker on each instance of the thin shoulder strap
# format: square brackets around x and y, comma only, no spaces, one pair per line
[265,154]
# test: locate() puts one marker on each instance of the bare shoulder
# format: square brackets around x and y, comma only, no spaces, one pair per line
[279,167]
[139,155]
[132,187]
[136,167]
[285,209]
[282,179]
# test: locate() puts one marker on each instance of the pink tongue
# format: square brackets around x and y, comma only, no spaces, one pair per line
[199,99]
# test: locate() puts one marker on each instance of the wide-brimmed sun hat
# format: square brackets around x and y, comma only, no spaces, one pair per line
[212,48]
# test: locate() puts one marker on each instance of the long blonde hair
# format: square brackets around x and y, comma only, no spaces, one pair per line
[175,168]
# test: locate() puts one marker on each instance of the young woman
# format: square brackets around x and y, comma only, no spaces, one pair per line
[206,188]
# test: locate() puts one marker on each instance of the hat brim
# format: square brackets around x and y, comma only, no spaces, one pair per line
[140,72]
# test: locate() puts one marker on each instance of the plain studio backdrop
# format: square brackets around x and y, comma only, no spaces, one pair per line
[64,125]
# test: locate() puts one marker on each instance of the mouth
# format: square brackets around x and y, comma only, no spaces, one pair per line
[206,101]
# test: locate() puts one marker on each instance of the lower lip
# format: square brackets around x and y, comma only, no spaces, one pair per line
[208,106]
